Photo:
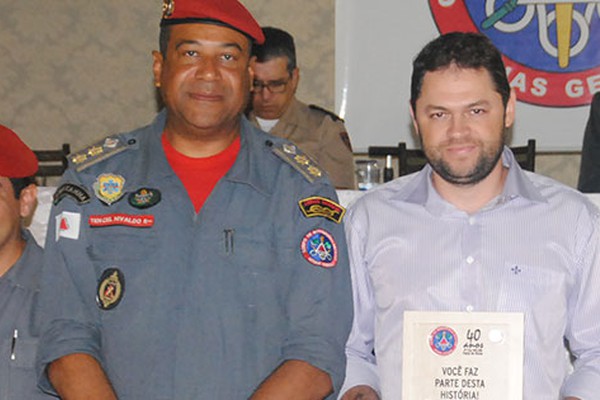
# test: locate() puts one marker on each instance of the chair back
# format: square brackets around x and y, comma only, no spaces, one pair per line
[412,160]
[52,163]
[525,155]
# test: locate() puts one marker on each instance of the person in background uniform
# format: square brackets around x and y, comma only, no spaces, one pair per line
[20,268]
[473,232]
[275,109]
[197,257]
[589,172]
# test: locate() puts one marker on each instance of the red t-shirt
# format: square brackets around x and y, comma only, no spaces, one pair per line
[200,175]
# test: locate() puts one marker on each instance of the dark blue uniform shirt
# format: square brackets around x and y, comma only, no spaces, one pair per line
[18,327]
[209,303]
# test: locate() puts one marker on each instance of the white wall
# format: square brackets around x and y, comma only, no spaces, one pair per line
[376,41]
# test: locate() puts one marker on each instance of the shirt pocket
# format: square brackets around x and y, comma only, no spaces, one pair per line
[121,244]
[254,250]
[20,378]
[255,261]
[533,289]
[24,352]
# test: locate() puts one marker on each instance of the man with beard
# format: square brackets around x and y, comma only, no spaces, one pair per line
[473,232]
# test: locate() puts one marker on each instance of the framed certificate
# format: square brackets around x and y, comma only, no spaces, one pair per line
[462,355]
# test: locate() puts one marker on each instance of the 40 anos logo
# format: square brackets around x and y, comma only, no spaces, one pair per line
[551,48]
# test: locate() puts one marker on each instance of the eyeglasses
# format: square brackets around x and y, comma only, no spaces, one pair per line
[277,86]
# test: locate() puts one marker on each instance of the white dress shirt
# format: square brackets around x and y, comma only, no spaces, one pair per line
[533,249]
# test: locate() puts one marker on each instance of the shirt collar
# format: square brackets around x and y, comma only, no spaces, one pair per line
[246,169]
[420,190]
[249,167]
[25,272]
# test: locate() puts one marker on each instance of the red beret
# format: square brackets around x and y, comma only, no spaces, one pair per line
[16,159]
[230,13]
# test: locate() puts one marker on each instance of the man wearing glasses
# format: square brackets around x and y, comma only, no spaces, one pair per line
[275,109]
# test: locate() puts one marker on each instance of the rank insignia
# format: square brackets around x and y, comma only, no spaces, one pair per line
[111,288]
[78,158]
[109,188]
[289,148]
[314,171]
[302,160]
[144,198]
[99,151]
[95,151]
[319,248]
[75,192]
[111,142]
[299,161]
[317,206]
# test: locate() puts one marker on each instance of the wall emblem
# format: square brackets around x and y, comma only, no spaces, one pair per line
[550,47]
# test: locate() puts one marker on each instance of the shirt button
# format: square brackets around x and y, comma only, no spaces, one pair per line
[471,220]
[470,260]
[469,308]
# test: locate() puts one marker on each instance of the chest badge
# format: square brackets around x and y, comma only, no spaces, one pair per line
[110,289]
[109,188]
[144,198]
[319,248]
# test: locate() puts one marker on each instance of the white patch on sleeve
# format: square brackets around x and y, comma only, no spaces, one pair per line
[68,225]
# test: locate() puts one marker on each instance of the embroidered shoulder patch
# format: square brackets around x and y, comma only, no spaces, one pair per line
[319,248]
[300,161]
[79,194]
[317,206]
[99,151]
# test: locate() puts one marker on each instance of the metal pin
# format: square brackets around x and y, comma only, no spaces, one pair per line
[13,344]
[229,240]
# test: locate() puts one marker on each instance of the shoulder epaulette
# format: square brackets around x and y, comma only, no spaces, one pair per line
[99,151]
[333,115]
[301,162]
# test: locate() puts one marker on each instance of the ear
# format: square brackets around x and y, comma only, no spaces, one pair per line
[251,65]
[414,119]
[27,201]
[509,112]
[157,66]
[295,78]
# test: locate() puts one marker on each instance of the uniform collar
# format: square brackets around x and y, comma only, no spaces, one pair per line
[249,167]
[26,270]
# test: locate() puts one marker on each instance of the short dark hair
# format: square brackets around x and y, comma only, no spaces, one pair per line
[278,43]
[163,40]
[21,183]
[465,50]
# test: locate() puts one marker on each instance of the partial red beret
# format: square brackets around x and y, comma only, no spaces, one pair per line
[16,159]
[230,13]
